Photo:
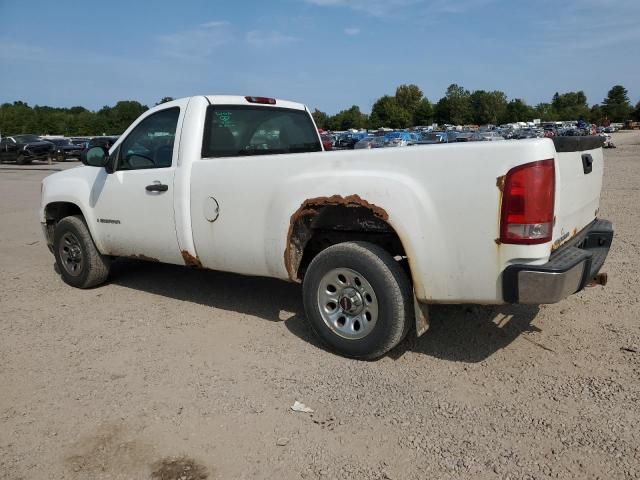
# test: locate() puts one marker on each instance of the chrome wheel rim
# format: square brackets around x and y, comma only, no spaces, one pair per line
[71,254]
[347,303]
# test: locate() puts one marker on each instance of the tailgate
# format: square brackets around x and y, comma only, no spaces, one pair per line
[579,169]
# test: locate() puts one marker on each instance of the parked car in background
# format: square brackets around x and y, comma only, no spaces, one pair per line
[371,142]
[464,137]
[400,139]
[486,136]
[348,140]
[327,142]
[64,149]
[105,141]
[81,142]
[433,137]
[23,149]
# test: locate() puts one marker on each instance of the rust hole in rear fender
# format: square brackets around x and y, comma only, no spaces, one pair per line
[299,225]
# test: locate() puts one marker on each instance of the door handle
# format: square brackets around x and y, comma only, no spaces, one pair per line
[157,187]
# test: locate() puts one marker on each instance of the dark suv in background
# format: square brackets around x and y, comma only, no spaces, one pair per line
[64,149]
[105,142]
[24,149]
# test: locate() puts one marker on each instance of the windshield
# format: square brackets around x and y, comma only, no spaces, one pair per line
[26,138]
[236,130]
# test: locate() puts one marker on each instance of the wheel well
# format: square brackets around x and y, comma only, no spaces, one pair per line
[320,223]
[56,211]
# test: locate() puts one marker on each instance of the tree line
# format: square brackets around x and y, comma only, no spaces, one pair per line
[19,117]
[408,107]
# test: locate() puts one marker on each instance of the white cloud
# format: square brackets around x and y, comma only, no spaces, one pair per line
[215,24]
[20,51]
[260,38]
[352,31]
[197,43]
[381,8]
[376,8]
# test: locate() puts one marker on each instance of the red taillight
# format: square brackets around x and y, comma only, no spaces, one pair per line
[527,203]
[264,100]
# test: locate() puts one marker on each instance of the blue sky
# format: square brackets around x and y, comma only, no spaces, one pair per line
[329,54]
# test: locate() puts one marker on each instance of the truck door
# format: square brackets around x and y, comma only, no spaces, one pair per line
[133,206]
[5,147]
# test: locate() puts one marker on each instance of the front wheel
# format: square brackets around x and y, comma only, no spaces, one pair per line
[77,258]
[358,300]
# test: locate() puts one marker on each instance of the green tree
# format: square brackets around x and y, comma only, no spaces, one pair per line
[349,118]
[165,100]
[386,112]
[423,113]
[616,106]
[596,114]
[455,106]
[570,105]
[636,112]
[409,97]
[441,112]
[545,112]
[124,113]
[321,119]
[518,111]
[487,107]
[77,110]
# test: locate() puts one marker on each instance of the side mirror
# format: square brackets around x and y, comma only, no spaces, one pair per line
[95,157]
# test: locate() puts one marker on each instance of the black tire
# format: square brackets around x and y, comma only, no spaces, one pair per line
[392,294]
[72,238]
[20,160]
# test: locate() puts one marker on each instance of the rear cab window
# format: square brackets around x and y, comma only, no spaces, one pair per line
[241,130]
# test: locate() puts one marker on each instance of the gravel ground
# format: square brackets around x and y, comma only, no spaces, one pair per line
[171,373]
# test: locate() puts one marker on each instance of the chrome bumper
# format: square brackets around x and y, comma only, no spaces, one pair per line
[569,269]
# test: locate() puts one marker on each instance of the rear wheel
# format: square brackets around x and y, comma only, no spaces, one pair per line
[77,258]
[358,300]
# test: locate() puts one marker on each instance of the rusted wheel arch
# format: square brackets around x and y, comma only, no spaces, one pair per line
[365,218]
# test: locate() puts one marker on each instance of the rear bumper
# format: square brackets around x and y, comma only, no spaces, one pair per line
[568,270]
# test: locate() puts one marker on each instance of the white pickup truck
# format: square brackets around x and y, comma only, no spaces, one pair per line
[241,184]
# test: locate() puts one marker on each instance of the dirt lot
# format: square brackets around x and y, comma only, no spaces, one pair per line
[170,373]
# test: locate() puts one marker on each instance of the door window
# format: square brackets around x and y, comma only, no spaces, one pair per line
[150,144]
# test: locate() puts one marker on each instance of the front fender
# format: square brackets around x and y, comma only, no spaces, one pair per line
[76,186]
